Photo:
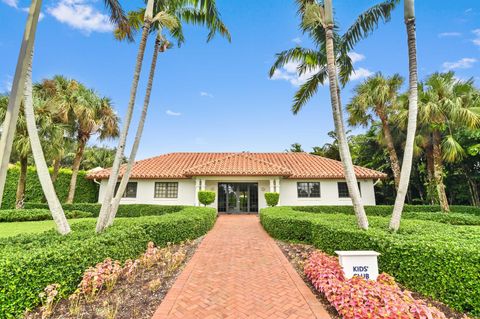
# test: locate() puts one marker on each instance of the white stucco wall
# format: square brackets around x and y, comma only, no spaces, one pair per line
[288,191]
[328,193]
[146,189]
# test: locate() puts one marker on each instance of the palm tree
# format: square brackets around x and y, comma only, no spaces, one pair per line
[16,95]
[409,16]
[332,54]
[40,163]
[446,106]
[169,17]
[375,98]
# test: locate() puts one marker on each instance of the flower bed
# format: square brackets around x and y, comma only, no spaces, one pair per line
[359,298]
[28,263]
[112,289]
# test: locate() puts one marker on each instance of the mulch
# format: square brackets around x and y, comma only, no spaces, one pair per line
[297,254]
[136,298]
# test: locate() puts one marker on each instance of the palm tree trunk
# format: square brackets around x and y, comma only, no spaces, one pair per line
[56,169]
[75,168]
[112,181]
[431,191]
[438,172]
[394,162]
[40,163]
[138,136]
[22,181]
[350,177]
[474,195]
[409,14]
[16,95]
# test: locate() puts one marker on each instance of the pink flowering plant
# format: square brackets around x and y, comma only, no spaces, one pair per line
[104,274]
[358,298]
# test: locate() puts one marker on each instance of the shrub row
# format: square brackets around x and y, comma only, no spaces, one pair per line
[86,191]
[438,260]
[386,210]
[27,269]
[127,210]
[22,215]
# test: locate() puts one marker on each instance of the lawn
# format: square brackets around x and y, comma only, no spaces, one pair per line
[12,229]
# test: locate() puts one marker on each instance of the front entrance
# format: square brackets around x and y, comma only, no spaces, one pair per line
[234,198]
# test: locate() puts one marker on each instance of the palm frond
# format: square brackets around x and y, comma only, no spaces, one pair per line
[451,149]
[297,54]
[367,22]
[308,89]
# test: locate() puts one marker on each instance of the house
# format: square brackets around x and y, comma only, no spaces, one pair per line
[240,180]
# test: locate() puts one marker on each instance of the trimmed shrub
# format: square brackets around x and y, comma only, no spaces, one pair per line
[206,197]
[126,210]
[86,191]
[22,215]
[386,210]
[438,260]
[29,263]
[272,199]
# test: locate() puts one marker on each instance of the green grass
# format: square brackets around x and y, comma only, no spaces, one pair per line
[12,229]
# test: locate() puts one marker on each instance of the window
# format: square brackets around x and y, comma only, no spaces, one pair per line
[343,189]
[308,189]
[130,191]
[166,190]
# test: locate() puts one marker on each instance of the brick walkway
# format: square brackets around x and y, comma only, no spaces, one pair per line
[239,272]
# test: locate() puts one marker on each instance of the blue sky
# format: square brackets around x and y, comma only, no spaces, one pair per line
[217,96]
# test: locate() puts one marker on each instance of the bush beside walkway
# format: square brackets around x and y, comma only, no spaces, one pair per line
[438,260]
[28,263]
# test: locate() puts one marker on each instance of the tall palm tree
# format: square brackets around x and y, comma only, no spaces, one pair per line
[16,95]
[446,106]
[168,16]
[409,17]
[331,53]
[39,158]
[375,98]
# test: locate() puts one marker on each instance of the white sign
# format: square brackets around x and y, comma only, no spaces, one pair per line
[362,263]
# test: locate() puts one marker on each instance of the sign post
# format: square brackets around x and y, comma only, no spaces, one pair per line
[361,263]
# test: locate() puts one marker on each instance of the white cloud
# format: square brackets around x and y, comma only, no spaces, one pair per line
[6,84]
[476,41]
[289,72]
[14,4]
[360,73]
[297,40]
[449,34]
[11,3]
[206,94]
[172,113]
[464,63]
[80,15]
[356,57]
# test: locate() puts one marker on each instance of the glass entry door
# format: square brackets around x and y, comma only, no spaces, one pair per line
[238,198]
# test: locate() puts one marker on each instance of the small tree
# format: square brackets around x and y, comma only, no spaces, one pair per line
[206,197]
[272,199]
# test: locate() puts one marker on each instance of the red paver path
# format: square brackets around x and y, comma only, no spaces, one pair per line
[238,271]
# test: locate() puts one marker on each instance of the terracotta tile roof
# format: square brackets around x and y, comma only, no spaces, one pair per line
[289,165]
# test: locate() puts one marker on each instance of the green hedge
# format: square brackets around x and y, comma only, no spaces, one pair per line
[386,210]
[22,215]
[438,260]
[86,192]
[29,263]
[127,210]
[272,199]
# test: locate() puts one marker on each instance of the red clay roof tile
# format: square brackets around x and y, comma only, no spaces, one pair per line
[289,165]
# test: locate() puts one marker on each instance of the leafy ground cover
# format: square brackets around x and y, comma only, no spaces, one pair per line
[112,290]
[299,254]
[31,262]
[438,260]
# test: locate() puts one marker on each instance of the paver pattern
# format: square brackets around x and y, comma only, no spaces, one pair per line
[238,271]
